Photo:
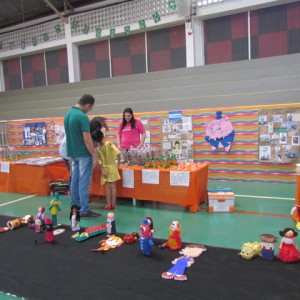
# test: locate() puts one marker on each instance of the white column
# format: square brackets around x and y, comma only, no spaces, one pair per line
[73,56]
[2,85]
[189,42]
[198,33]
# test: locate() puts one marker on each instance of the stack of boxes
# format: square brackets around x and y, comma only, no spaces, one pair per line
[220,199]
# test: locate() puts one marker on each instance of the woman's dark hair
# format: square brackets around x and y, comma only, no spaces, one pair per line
[98,123]
[97,136]
[132,121]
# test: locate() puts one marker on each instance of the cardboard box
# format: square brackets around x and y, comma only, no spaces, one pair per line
[221,200]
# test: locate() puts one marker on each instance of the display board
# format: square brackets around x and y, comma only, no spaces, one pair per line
[279,135]
[177,136]
[34,134]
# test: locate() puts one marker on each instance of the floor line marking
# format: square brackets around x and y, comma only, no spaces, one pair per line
[255,213]
[17,200]
[262,214]
[265,197]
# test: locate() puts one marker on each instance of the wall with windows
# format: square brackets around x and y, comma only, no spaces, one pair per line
[266,32]
[273,31]
[41,69]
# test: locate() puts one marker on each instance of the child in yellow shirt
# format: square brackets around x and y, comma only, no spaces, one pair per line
[107,154]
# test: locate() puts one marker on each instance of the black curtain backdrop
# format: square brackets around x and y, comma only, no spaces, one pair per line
[70,270]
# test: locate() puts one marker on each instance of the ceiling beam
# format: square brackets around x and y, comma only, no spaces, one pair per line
[65,20]
[68,6]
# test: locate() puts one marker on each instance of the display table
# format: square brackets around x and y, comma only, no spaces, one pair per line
[187,196]
[29,179]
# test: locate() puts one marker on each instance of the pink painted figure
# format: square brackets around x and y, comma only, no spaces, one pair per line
[219,133]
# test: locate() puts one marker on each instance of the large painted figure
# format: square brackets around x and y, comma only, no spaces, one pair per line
[219,133]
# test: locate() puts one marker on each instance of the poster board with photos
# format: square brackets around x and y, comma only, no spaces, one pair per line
[279,135]
[177,136]
[34,134]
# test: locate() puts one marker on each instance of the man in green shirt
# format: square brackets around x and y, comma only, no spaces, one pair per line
[80,149]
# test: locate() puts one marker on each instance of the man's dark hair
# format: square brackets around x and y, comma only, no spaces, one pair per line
[86,99]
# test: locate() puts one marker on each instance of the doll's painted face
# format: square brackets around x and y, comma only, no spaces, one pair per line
[289,234]
[110,216]
[145,231]
[175,226]
[41,209]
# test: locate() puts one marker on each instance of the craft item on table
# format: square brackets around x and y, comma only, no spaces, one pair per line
[146,242]
[220,199]
[89,232]
[219,133]
[39,220]
[288,251]
[295,212]
[49,231]
[58,231]
[138,156]
[110,243]
[183,262]
[60,186]
[267,246]
[250,250]
[111,224]
[150,221]
[174,241]
[18,222]
[54,208]
[75,217]
[131,238]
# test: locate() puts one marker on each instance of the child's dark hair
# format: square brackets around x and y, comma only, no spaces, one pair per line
[98,123]
[97,136]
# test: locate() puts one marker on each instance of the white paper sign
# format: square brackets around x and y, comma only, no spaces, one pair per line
[150,176]
[180,178]
[128,178]
[5,167]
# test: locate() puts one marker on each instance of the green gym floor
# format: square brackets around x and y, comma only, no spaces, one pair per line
[260,208]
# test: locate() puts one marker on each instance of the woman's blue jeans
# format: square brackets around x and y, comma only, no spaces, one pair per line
[82,170]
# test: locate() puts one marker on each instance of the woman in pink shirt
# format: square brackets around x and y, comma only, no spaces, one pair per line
[131,132]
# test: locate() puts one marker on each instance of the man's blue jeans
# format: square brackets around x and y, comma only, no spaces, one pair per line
[82,169]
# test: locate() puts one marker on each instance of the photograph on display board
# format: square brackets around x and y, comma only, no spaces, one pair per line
[278,135]
[34,134]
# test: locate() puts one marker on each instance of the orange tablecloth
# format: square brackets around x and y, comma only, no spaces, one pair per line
[29,179]
[187,196]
